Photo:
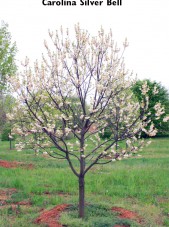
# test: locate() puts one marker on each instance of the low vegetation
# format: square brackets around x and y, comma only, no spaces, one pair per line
[138,184]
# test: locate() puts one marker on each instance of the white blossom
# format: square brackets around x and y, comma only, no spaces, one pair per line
[166,119]
[145,88]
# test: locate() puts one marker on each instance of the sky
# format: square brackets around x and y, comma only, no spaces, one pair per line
[145,23]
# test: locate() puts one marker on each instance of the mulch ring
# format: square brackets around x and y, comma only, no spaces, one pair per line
[7,164]
[51,217]
[127,214]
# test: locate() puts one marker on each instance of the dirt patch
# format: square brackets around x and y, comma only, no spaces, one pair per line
[51,217]
[24,203]
[119,226]
[163,200]
[127,214]
[6,193]
[61,194]
[15,207]
[7,164]
[26,166]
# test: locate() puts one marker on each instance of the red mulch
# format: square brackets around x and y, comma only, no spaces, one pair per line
[123,213]
[7,164]
[51,217]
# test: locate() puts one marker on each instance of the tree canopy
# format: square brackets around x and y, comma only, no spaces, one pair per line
[157,94]
[7,55]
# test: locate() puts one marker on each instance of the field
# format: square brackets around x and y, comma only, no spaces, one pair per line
[40,183]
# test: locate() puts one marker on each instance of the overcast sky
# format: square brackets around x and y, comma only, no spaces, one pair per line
[145,23]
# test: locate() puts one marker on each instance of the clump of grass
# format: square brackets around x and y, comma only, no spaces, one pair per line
[19,196]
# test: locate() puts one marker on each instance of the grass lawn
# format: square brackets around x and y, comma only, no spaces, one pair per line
[138,184]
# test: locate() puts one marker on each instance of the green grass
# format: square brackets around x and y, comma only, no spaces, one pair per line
[138,184]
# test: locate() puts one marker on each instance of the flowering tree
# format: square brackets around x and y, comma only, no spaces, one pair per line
[90,69]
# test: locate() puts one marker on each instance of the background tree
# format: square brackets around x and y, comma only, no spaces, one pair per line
[157,93]
[92,70]
[7,55]
[7,68]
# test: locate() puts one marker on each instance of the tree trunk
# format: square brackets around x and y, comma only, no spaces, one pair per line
[81,180]
[81,196]
[10,141]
